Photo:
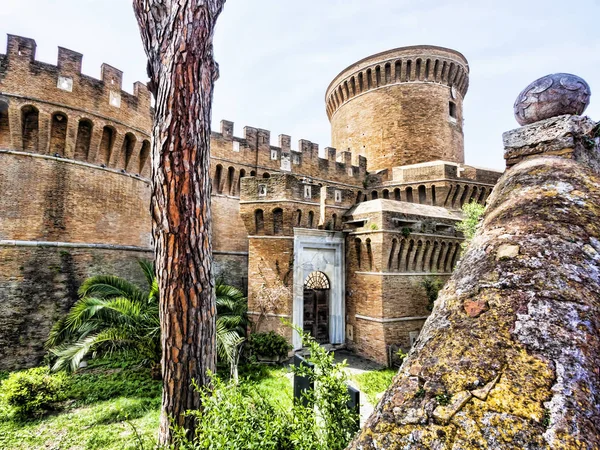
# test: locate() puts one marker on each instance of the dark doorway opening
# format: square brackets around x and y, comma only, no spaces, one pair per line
[316,307]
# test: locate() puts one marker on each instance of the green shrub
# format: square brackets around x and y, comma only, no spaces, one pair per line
[268,344]
[237,416]
[330,423]
[33,392]
[472,213]
[432,286]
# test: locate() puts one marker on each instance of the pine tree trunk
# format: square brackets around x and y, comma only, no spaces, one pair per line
[177,36]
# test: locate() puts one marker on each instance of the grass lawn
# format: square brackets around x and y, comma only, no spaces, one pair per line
[112,406]
[374,383]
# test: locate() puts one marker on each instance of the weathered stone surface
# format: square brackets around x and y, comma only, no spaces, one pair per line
[566,136]
[551,96]
[482,393]
[546,131]
[536,350]
[507,251]
[443,414]
[474,308]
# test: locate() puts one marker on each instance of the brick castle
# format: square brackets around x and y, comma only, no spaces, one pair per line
[337,242]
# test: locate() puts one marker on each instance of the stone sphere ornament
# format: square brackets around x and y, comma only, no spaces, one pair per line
[551,96]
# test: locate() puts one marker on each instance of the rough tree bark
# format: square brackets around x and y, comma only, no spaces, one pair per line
[178,39]
[510,357]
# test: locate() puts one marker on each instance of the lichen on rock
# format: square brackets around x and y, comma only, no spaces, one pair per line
[514,338]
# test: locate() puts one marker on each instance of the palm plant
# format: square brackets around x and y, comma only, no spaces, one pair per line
[232,323]
[111,315]
[114,315]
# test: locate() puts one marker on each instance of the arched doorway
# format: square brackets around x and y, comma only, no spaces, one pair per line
[316,306]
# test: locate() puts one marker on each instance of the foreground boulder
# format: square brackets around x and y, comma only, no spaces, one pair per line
[510,357]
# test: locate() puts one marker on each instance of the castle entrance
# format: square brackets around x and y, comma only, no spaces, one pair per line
[319,287]
[316,306]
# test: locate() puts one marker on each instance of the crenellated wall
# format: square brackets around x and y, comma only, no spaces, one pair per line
[254,153]
[56,110]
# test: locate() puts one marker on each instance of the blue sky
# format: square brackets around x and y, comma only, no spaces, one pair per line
[278,56]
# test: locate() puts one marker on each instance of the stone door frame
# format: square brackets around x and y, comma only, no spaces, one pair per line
[320,250]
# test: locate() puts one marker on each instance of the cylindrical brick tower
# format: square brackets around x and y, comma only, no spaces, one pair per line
[399,107]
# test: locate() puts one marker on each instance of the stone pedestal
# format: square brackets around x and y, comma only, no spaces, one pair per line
[571,137]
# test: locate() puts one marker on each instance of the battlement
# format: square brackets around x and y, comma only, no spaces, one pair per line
[422,63]
[64,83]
[254,148]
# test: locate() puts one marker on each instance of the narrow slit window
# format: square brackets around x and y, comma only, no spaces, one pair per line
[452,109]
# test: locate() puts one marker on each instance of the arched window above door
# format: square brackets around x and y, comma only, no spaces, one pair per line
[316,280]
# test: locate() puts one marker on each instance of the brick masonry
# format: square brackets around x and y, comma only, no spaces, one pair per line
[399,107]
[75,169]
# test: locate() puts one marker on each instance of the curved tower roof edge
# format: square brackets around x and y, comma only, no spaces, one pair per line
[379,55]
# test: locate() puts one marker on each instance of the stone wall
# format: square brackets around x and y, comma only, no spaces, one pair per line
[39,284]
[270,266]
[51,199]
[393,249]
[57,110]
[254,154]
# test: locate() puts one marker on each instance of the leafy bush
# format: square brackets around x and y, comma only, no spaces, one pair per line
[327,422]
[238,417]
[268,344]
[234,417]
[114,316]
[472,214]
[33,392]
[432,286]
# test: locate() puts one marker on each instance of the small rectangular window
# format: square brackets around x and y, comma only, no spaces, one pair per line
[338,196]
[307,192]
[65,83]
[452,109]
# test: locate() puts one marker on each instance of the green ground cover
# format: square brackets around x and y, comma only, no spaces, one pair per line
[374,383]
[115,405]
